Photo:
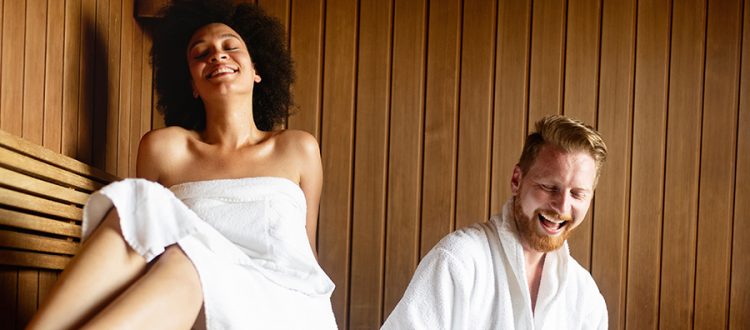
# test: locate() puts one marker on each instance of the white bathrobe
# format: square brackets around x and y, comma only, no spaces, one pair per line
[474,278]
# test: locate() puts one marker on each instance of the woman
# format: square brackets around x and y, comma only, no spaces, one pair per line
[235,232]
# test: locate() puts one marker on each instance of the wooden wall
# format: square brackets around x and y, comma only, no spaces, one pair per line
[421,107]
[76,78]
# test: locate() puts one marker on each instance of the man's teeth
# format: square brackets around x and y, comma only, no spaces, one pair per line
[556,223]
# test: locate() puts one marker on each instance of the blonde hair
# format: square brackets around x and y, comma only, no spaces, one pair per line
[568,134]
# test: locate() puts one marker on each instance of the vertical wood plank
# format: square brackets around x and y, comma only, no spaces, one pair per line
[475,112]
[112,111]
[278,9]
[28,288]
[306,47]
[33,71]
[137,112]
[47,279]
[547,51]
[647,177]
[53,77]
[610,207]
[511,95]
[439,181]
[582,58]
[147,89]
[88,78]
[71,83]
[334,228]
[682,161]
[123,92]
[405,149]
[581,87]
[11,95]
[101,88]
[370,161]
[715,207]
[8,296]
[739,300]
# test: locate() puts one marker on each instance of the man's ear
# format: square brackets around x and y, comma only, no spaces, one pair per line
[515,180]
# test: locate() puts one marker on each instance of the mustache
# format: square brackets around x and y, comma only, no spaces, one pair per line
[552,215]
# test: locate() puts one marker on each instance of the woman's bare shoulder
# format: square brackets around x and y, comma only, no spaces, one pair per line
[298,140]
[171,134]
[161,149]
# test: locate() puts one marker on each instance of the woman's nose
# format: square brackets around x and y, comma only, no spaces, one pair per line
[218,56]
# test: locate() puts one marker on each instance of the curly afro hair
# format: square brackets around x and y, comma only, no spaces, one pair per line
[264,37]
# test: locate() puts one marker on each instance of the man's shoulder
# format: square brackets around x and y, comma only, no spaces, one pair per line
[472,238]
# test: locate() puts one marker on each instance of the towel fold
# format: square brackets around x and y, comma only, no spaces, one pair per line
[246,238]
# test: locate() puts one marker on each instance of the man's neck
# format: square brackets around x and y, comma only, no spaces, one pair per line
[534,267]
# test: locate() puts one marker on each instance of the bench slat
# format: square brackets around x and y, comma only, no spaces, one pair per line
[13,142]
[33,259]
[23,241]
[42,194]
[40,187]
[25,164]
[38,204]
[36,223]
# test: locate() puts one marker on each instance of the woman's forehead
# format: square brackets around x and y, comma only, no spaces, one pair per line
[212,31]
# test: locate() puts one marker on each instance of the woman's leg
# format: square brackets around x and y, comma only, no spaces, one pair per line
[100,271]
[168,296]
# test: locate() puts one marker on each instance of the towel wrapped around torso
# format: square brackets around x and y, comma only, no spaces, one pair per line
[246,238]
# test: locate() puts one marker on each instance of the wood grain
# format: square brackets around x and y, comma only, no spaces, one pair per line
[306,47]
[405,149]
[337,138]
[11,68]
[124,104]
[27,260]
[547,58]
[739,300]
[609,243]
[511,95]
[370,164]
[33,70]
[53,76]
[647,167]
[440,137]
[71,77]
[37,223]
[475,113]
[581,82]
[22,241]
[718,148]
[682,164]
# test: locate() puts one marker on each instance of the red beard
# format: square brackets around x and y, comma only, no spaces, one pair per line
[528,230]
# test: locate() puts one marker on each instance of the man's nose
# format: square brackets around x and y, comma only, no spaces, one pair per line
[562,203]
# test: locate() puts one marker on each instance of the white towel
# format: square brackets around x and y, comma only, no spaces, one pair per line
[474,278]
[246,238]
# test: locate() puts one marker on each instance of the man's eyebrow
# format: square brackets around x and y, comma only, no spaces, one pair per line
[223,36]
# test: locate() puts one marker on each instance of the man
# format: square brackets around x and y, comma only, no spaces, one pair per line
[515,271]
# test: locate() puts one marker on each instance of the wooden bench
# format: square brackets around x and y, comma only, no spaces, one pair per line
[41,198]
[42,194]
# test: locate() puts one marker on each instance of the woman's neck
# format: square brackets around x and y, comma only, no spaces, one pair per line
[231,125]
